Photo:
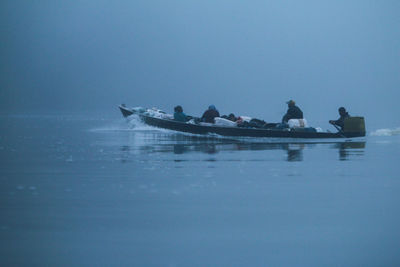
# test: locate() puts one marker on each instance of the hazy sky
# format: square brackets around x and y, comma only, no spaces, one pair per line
[246,57]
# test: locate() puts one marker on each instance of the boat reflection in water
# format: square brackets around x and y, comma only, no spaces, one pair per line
[347,149]
[162,143]
[294,151]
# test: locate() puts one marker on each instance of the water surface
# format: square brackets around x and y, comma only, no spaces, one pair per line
[80,190]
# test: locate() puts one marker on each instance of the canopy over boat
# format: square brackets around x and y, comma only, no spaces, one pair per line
[353,127]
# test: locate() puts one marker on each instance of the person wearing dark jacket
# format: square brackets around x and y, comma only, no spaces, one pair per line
[343,115]
[179,115]
[293,112]
[210,114]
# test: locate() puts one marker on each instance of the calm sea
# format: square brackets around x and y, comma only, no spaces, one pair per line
[100,191]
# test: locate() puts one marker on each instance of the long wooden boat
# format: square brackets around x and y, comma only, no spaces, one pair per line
[355,127]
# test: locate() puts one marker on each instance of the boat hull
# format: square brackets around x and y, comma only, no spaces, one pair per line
[233,131]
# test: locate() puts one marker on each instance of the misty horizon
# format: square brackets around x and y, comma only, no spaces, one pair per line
[245,58]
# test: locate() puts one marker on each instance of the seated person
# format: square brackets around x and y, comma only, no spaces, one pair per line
[293,112]
[210,114]
[343,115]
[179,115]
[232,117]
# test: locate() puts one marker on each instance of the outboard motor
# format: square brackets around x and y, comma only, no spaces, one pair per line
[354,126]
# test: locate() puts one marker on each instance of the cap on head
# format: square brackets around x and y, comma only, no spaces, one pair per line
[291,103]
[342,111]
[211,107]
[178,109]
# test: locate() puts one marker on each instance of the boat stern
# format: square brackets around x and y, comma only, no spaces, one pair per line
[354,127]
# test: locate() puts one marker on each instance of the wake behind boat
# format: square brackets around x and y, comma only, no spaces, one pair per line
[353,126]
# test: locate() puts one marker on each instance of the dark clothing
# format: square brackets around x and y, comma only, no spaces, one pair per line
[180,116]
[340,122]
[209,115]
[294,112]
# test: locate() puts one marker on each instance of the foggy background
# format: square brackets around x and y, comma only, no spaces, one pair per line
[246,57]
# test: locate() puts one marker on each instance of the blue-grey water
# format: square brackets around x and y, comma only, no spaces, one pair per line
[99,191]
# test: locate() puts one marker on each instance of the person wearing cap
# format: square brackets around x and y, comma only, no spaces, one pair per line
[343,115]
[210,114]
[179,115]
[293,112]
